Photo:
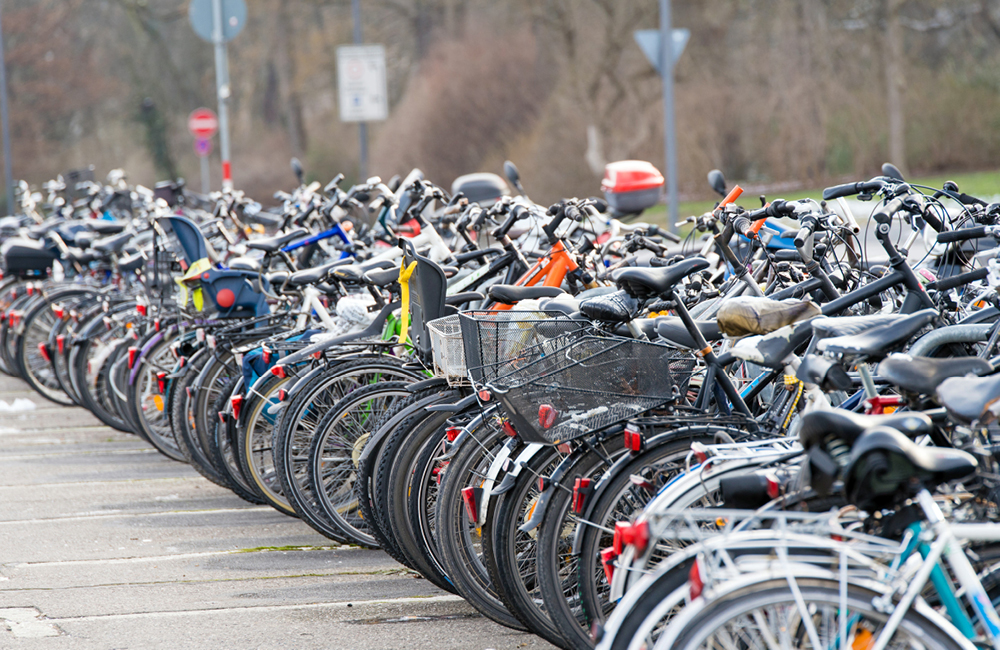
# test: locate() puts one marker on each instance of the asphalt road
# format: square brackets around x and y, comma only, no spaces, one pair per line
[106,544]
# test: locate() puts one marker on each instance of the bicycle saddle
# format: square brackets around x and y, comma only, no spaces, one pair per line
[79,256]
[748,315]
[356,272]
[271,244]
[653,282]
[884,462]
[878,341]
[672,329]
[971,399]
[509,294]
[382,277]
[848,425]
[104,226]
[112,244]
[244,264]
[310,276]
[849,325]
[922,375]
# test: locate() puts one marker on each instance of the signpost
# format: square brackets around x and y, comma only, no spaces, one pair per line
[218,22]
[203,124]
[663,59]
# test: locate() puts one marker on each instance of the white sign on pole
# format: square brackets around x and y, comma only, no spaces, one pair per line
[361,83]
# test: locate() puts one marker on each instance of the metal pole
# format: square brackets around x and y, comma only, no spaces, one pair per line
[8,171]
[669,133]
[362,126]
[222,89]
[206,178]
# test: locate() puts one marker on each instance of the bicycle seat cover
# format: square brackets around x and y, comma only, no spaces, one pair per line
[772,349]
[618,307]
[971,399]
[922,375]
[749,315]
[650,283]
[884,462]
[271,244]
[848,425]
[878,341]
[509,294]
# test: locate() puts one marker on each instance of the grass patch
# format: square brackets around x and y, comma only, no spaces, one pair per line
[980,184]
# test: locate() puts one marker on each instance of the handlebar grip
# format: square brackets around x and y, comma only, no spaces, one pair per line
[744,226]
[732,196]
[933,221]
[505,226]
[802,236]
[959,280]
[960,235]
[850,189]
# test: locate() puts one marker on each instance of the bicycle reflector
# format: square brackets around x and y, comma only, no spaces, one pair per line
[278,371]
[470,496]
[634,441]
[696,582]
[161,382]
[237,403]
[581,490]
[44,349]
[508,428]
[133,352]
[627,534]
[59,312]
[282,394]
[700,452]
[142,309]
[61,343]
[547,416]
[608,557]
[452,433]
[484,395]
[266,354]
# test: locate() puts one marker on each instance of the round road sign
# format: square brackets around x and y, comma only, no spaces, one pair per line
[202,123]
[202,15]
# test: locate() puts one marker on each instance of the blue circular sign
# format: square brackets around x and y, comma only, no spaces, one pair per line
[202,15]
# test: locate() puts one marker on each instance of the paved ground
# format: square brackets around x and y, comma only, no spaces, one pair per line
[106,544]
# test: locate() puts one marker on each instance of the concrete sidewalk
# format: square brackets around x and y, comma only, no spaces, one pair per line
[105,543]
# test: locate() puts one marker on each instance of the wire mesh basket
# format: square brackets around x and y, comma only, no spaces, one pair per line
[590,384]
[447,349]
[499,342]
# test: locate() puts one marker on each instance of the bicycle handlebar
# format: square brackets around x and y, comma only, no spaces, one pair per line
[962,235]
[959,280]
[850,189]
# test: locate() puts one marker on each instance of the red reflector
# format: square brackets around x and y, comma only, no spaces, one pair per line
[156,324]
[222,417]
[547,416]
[700,452]
[318,354]
[44,349]
[581,490]
[58,311]
[133,352]
[543,483]
[636,535]
[161,382]
[31,291]
[508,428]
[282,395]
[278,371]
[471,507]
[452,433]
[237,402]
[182,361]
[61,343]
[187,389]
[141,309]
[564,448]
[608,556]
[267,355]
[484,395]
[634,440]
[695,582]
[772,487]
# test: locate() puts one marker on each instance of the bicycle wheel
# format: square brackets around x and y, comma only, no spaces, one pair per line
[144,401]
[767,615]
[459,537]
[334,455]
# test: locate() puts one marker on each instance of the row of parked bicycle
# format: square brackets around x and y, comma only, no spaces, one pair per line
[775,432]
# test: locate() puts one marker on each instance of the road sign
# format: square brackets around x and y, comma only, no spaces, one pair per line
[648,41]
[361,83]
[234,17]
[202,123]
[203,147]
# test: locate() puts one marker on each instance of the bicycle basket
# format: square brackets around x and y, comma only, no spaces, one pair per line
[447,350]
[590,384]
[497,342]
